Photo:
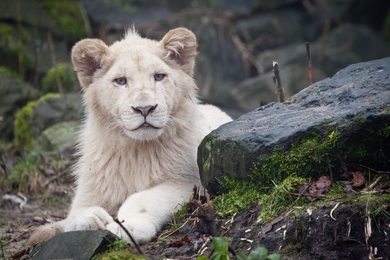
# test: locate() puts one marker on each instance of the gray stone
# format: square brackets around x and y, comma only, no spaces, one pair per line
[39,115]
[355,102]
[59,139]
[75,245]
[67,107]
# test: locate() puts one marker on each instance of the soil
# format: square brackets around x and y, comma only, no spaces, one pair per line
[312,234]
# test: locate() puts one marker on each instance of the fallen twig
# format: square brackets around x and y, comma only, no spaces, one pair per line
[304,194]
[59,175]
[269,226]
[380,172]
[170,233]
[129,235]
[372,185]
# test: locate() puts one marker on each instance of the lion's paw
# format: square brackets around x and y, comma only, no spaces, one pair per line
[93,218]
[141,230]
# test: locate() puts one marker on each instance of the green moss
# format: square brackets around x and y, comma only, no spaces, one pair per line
[12,54]
[115,251]
[385,110]
[22,126]
[359,120]
[208,161]
[121,255]
[325,122]
[7,72]
[66,76]
[280,199]
[304,159]
[243,195]
[385,132]
[22,122]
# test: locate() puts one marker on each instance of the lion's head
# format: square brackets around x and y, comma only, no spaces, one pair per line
[137,85]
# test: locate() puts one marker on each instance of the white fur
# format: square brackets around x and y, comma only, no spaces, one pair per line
[140,174]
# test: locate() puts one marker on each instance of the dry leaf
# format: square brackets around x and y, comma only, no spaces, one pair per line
[357,179]
[181,242]
[319,187]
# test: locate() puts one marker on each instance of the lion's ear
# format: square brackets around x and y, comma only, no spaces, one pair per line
[180,46]
[87,57]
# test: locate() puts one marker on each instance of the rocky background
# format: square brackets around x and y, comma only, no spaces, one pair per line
[238,41]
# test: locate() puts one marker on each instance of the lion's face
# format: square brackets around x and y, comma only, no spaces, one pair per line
[137,85]
[137,94]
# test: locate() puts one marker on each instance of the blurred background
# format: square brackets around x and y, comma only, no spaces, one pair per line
[238,41]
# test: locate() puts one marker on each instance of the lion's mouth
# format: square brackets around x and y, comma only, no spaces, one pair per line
[145,125]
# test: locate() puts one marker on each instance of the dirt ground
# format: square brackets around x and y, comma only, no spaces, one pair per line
[16,223]
[329,232]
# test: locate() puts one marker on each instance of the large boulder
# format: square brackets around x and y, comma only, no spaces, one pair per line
[348,114]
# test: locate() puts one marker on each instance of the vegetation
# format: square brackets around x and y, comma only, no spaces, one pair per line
[115,251]
[68,16]
[221,250]
[23,119]
[65,74]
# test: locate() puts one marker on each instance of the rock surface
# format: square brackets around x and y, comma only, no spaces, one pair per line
[74,245]
[59,139]
[355,103]
[39,115]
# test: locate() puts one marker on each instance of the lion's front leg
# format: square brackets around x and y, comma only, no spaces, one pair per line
[146,212]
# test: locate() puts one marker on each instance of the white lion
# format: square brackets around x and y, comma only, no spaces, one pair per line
[139,142]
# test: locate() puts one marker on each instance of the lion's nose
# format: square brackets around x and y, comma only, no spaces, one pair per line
[145,111]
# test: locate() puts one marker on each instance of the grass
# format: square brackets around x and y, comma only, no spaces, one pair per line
[26,176]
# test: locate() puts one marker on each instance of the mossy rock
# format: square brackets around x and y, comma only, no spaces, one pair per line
[38,115]
[66,78]
[347,115]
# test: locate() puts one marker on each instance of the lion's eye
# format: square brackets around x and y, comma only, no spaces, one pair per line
[159,77]
[121,81]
